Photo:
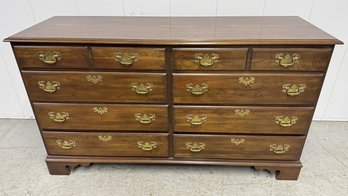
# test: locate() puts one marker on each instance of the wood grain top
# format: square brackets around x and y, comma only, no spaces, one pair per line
[175,31]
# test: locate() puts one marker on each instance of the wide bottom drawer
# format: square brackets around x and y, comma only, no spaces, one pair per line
[106,144]
[238,146]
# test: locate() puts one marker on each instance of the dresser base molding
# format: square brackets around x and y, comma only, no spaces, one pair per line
[284,170]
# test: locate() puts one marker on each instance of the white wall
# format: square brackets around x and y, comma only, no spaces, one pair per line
[331,16]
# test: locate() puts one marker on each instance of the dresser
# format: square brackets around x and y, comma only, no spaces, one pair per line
[237,91]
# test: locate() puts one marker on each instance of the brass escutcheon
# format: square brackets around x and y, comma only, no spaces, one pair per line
[49,87]
[237,141]
[287,60]
[49,57]
[206,60]
[105,138]
[100,110]
[241,112]
[95,79]
[294,89]
[246,80]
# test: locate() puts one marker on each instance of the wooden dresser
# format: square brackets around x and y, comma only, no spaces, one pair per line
[159,90]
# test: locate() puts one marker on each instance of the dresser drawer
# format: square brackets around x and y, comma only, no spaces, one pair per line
[106,144]
[238,147]
[52,57]
[210,58]
[247,88]
[303,59]
[96,86]
[242,119]
[101,117]
[128,58]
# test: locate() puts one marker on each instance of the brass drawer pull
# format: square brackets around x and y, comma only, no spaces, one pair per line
[95,79]
[126,59]
[66,144]
[145,118]
[293,89]
[205,60]
[49,57]
[241,112]
[147,146]
[58,116]
[237,141]
[286,121]
[195,147]
[105,138]
[279,149]
[287,60]
[196,119]
[100,110]
[142,89]
[49,87]
[198,89]
[247,80]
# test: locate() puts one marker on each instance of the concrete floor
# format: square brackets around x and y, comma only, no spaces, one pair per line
[23,170]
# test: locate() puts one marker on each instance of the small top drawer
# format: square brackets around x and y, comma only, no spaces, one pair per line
[51,57]
[297,59]
[210,58]
[128,58]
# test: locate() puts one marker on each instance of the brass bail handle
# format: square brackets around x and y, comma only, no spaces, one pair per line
[126,59]
[287,60]
[49,57]
[207,60]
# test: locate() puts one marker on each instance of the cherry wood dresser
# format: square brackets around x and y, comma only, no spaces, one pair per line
[237,91]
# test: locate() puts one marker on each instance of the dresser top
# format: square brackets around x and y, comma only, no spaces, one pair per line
[176,31]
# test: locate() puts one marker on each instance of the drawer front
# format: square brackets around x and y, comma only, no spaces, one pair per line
[54,57]
[106,144]
[210,59]
[101,117]
[242,119]
[128,58]
[249,88]
[96,86]
[302,59]
[238,147]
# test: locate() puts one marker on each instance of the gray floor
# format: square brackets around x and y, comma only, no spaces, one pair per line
[23,170]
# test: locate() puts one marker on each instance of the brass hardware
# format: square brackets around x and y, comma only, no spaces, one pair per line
[198,89]
[246,80]
[294,89]
[147,146]
[95,79]
[105,138]
[66,144]
[241,112]
[279,149]
[100,110]
[142,89]
[195,147]
[286,121]
[205,60]
[49,57]
[196,119]
[145,118]
[58,116]
[237,141]
[49,87]
[126,59]
[287,60]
